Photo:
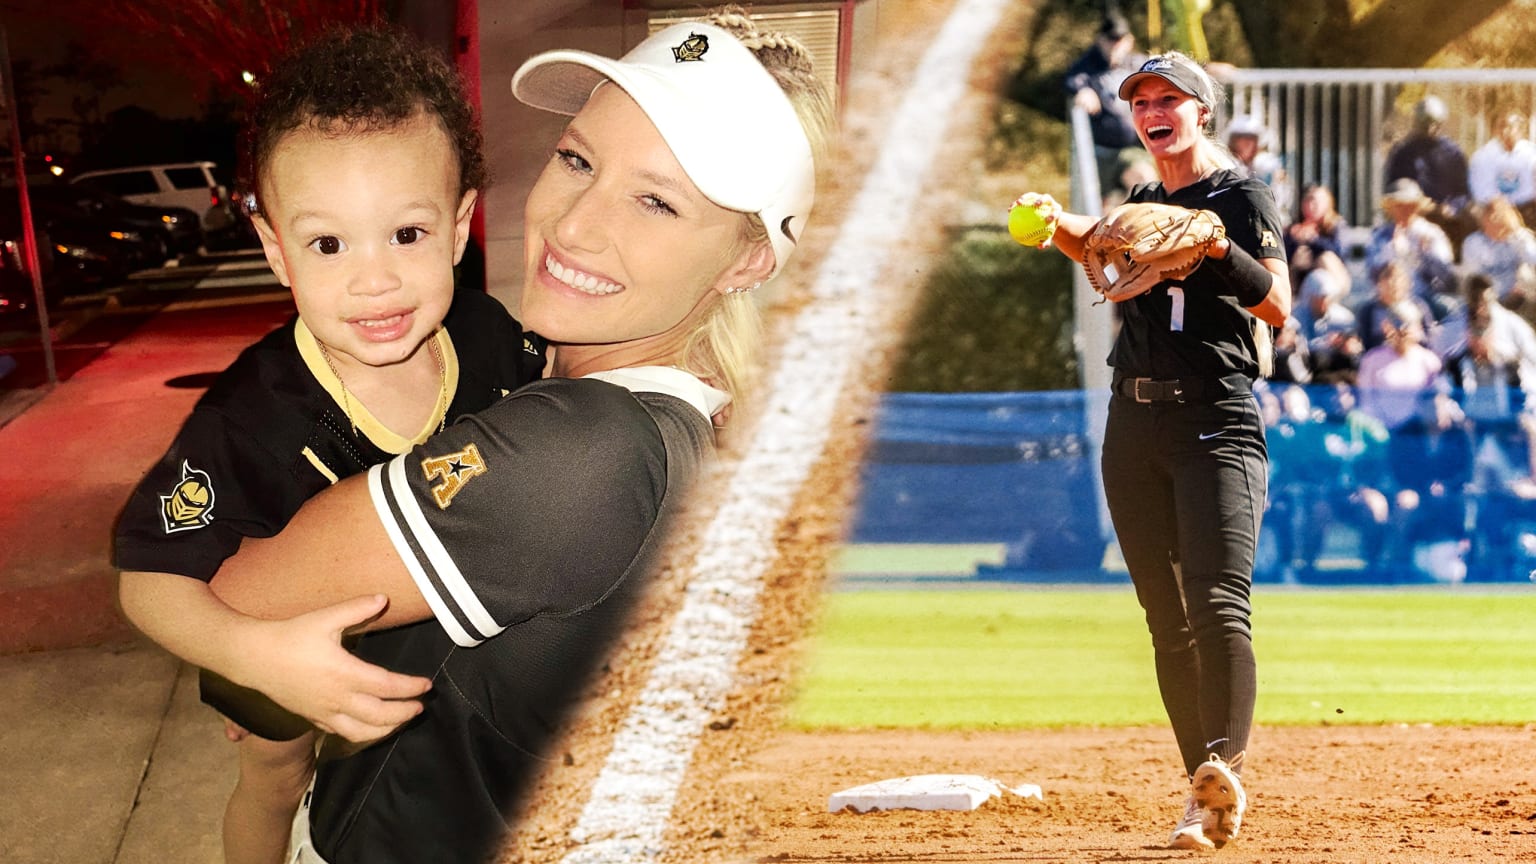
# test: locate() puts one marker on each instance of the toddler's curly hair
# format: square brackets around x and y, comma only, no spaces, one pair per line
[361,79]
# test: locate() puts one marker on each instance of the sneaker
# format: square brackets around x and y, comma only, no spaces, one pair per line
[1218,792]
[1190,833]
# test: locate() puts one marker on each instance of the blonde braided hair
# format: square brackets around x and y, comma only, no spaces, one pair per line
[789,62]
[724,348]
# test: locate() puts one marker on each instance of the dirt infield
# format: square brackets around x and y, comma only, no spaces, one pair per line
[1337,794]
[756,792]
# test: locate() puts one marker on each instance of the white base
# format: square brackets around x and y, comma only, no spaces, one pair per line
[925,792]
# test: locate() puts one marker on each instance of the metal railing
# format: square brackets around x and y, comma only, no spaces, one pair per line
[1095,327]
[1094,332]
[1335,126]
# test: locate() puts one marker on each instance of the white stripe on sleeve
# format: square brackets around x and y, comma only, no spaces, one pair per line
[381,506]
[442,563]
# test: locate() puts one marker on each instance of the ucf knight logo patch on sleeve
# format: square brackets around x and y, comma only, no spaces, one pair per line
[452,472]
[190,504]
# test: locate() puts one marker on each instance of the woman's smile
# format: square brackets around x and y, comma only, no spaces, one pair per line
[586,283]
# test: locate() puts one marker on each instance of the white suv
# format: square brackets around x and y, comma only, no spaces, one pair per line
[186,184]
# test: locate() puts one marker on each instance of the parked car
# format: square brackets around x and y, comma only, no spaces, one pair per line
[16,302]
[17,297]
[86,251]
[176,231]
[12,254]
[192,185]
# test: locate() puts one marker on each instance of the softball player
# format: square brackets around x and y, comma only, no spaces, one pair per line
[1184,461]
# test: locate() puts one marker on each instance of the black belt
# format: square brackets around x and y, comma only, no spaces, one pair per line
[1182,389]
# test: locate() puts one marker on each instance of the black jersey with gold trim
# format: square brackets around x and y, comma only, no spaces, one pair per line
[532,527]
[268,435]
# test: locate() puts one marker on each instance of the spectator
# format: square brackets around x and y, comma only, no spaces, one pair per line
[1329,328]
[1431,457]
[1437,164]
[1503,470]
[1138,170]
[1248,142]
[1293,436]
[1314,240]
[1504,250]
[1393,299]
[1293,356]
[1492,369]
[1347,469]
[1416,244]
[1393,374]
[1484,365]
[1093,83]
[1505,166]
[1344,478]
[1501,531]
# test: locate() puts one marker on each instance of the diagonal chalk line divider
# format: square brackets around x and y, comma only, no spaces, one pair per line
[631,801]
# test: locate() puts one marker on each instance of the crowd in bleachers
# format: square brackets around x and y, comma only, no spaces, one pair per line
[1400,406]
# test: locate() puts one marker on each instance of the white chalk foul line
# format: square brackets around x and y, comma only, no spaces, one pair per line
[631,803]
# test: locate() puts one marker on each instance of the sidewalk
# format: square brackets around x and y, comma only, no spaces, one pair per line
[108,756]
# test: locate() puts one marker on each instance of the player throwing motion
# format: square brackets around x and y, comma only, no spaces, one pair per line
[1184,459]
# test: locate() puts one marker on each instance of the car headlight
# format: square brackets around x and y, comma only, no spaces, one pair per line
[80,252]
[129,236]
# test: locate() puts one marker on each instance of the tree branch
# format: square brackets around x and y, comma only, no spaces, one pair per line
[1405,33]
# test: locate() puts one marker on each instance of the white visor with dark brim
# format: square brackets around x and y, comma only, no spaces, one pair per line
[723,115]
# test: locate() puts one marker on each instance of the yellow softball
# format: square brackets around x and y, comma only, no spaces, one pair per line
[1030,222]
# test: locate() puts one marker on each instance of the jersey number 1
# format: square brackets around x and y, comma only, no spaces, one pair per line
[1176,314]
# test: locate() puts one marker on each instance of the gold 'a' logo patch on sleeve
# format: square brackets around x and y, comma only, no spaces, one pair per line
[453,471]
[189,505]
[1269,240]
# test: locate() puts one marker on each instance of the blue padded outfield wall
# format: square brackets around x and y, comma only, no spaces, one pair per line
[1021,469]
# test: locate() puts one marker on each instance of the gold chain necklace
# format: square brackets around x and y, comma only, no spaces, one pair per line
[439,407]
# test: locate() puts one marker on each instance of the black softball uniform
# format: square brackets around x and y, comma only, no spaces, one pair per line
[529,529]
[1187,328]
[271,432]
[1185,471]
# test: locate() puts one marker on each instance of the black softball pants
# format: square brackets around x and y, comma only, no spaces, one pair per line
[1185,484]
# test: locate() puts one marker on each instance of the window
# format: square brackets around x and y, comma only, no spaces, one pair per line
[188,178]
[126,183]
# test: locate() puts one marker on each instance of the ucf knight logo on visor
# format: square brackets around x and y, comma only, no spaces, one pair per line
[692,48]
[190,504]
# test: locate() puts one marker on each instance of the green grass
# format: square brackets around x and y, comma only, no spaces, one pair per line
[989,659]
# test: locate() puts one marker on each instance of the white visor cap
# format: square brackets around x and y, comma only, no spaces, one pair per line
[726,120]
